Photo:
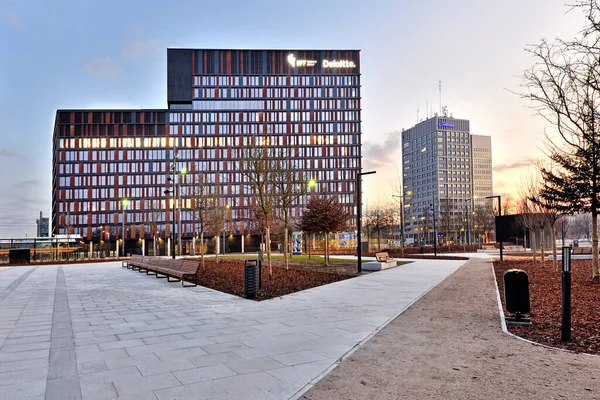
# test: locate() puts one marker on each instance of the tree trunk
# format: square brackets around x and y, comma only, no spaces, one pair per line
[268,237]
[533,244]
[285,247]
[310,244]
[217,250]
[595,270]
[154,246]
[378,241]
[202,249]
[554,260]
[542,254]
[326,250]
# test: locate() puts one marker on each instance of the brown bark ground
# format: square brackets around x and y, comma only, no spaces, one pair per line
[545,300]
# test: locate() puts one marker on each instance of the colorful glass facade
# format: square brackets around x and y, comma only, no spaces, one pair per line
[305,102]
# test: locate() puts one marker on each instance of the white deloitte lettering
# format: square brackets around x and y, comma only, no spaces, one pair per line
[338,64]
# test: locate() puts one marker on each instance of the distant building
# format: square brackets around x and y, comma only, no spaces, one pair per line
[481,155]
[43,226]
[439,177]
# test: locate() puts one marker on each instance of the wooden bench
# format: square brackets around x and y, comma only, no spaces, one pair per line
[582,250]
[383,257]
[488,247]
[180,270]
[513,248]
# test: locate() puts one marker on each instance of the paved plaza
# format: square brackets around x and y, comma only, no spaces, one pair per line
[99,331]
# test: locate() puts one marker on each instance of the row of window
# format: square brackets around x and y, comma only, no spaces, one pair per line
[277,93]
[199,142]
[308,80]
[264,116]
[222,166]
[242,105]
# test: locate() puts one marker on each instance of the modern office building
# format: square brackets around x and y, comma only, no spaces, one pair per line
[306,102]
[481,154]
[43,226]
[438,177]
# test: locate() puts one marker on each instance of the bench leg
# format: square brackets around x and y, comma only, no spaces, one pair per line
[148,272]
[160,277]
[141,270]
[169,279]
[195,283]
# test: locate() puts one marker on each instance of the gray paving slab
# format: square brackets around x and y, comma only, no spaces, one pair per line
[118,334]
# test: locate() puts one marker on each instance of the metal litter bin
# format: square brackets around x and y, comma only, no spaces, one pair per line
[516,294]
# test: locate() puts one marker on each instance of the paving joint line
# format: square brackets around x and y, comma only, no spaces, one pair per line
[15,284]
[62,381]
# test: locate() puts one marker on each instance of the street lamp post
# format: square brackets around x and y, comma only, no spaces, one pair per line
[172,191]
[358,216]
[124,202]
[434,229]
[499,215]
[401,223]
[179,241]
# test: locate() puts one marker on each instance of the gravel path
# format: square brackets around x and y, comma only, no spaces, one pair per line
[450,345]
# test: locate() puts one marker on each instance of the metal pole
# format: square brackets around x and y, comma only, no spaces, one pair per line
[566,295]
[179,216]
[123,229]
[499,215]
[358,212]
[173,221]
[434,231]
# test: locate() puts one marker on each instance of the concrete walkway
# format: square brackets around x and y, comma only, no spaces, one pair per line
[449,345]
[99,331]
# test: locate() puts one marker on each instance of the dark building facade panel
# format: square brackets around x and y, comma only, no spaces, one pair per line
[179,76]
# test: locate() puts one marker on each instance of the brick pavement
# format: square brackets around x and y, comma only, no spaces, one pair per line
[99,331]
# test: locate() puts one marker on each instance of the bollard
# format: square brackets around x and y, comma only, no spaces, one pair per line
[250,278]
[565,331]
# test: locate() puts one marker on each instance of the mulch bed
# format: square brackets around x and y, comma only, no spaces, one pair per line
[228,276]
[545,300]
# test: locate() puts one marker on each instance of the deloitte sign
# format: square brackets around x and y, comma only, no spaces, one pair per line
[299,63]
[338,64]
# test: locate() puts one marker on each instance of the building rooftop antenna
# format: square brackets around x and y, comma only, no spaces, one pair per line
[440,88]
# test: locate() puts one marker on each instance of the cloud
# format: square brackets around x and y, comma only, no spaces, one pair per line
[384,153]
[9,154]
[140,45]
[507,166]
[13,18]
[102,67]
[29,183]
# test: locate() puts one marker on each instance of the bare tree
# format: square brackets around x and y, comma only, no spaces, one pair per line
[260,168]
[152,217]
[547,206]
[564,224]
[67,223]
[564,87]
[483,219]
[216,214]
[377,219]
[289,188]
[446,219]
[202,200]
